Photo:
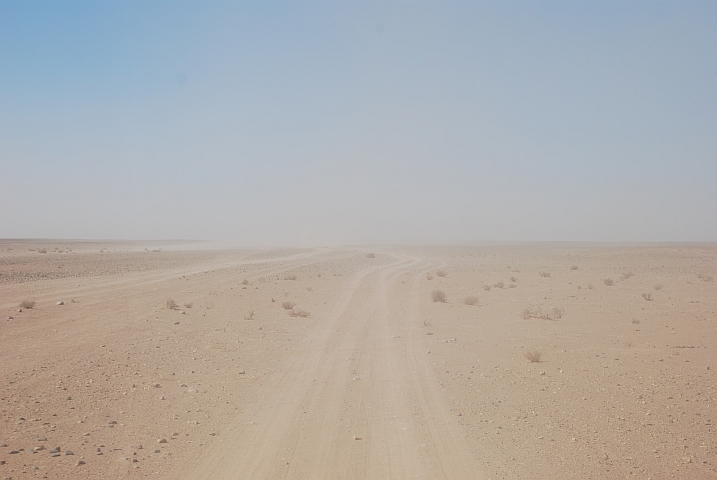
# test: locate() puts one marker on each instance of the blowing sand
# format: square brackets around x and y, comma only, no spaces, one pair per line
[368,378]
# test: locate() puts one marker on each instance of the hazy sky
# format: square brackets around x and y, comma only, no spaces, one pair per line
[359,122]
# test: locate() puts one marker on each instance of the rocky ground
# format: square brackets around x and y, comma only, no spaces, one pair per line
[361,374]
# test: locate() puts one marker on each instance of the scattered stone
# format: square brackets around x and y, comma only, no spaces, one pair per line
[55,450]
[10,317]
[41,439]
[139,447]
[212,433]
[161,397]
[3,445]
[162,440]
[429,333]
[357,438]
[68,452]
[112,422]
[156,450]
[80,462]
[686,459]
[69,397]
[157,385]
[13,452]
[176,323]
[86,434]
[134,460]
[192,390]
[60,303]
[56,454]
[460,414]
[241,372]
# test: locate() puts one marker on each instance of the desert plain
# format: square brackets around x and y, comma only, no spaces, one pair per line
[191,361]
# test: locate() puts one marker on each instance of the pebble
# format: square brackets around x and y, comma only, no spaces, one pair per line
[686,459]
[357,438]
[162,440]
[56,454]
[241,372]
[212,434]
[156,450]
[429,333]
[60,303]
[69,397]
[55,450]
[112,422]
[10,317]
[13,452]
[69,452]
[139,447]
[2,445]
[80,462]
[192,390]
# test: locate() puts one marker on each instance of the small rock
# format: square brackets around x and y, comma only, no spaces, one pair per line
[68,452]
[157,385]
[176,323]
[429,333]
[55,450]
[156,450]
[69,397]
[86,434]
[13,452]
[139,447]
[241,372]
[10,317]
[41,439]
[162,440]
[80,462]
[134,460]
[686,459]
[460,414]
[192,390]
[19,310]
[60,303]
[357,438]
[112,422]
[3,445]
[161,397]
[56,454]
[212,434]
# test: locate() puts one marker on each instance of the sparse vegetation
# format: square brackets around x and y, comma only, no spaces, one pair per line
[439,296]
[441,273]
[627,275]
[370,255]
[499,285]
[647,296]
[42,250]
[299,313]
[573,267]
[288,305]
[189,305]
[513,279]
[536,312]
[487,287]
[533,356]
[545,274]
[172,305]
[532,313]
[556,312]
[290,277]
[608,282]
[471,300]
[27,304]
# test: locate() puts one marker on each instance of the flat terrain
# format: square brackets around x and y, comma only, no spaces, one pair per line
[336,364]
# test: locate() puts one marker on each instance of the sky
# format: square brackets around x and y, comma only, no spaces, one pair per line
[352,122]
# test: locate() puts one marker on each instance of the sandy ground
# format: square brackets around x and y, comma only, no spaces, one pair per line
[378,381]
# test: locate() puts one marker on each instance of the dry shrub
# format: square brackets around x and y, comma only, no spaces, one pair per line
[27,304]
[608,282]
[290,277]
[189,305]
[647,296]
[471,300]
[486,287]
[556,312]
[439,296]
[264,280]
[245,282]
[499,285]
[370,255]
[42,250]
[574,267]
[172,305]
[658,287]
[532,313]
[288,305]
[627,275]
[635,321]
[441,273]
[299,313]
[533,356]
[545,274]
[513,279]
[429,277]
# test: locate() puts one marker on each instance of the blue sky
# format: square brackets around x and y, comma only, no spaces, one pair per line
[288,123]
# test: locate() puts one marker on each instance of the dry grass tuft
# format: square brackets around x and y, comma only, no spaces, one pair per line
[299,313]
[499,285]
[513,279]
[438,296]
[533,356]
[471,300]
[288,305]
[172,305]
[27,304]
[627,275]
[544,274]
[556,312]
[487,287]
[290,277]
[441,273]
[647,296]
[370,255]
[189,305]
[608,282]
